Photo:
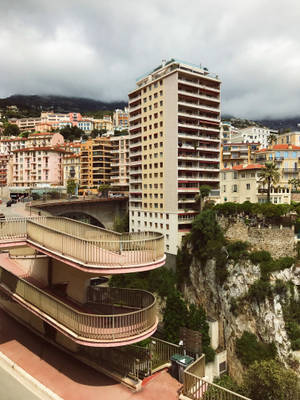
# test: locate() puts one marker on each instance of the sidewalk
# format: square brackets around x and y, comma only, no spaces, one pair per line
[67,377]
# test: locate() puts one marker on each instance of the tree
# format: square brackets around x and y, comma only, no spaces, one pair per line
[295,182]
[11,130]
[272,138]
[269,380]
[204,191]
[71,186]
[71,133]
[121,223]
[269,176]
[175,316]
[104,189]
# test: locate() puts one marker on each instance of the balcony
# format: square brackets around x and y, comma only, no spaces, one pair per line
[111,316]
[84,246]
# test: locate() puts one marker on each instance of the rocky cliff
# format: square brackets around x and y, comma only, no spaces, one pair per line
[227,304]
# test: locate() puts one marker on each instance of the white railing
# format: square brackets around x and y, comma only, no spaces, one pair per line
[85,243]
[120,325]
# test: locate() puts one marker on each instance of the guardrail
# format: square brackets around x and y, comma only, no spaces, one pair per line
[196,387]
[85,243]
[97,327]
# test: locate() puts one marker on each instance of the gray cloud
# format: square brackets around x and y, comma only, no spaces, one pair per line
[98,48]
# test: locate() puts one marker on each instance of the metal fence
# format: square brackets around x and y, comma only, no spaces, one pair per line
[196,387]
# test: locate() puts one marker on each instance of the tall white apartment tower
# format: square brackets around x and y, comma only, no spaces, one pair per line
[174,126]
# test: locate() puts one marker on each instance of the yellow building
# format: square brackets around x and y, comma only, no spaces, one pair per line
[95,160]
[71,168]
[174,117]
[286,157]
[242,183]
[232,154]
[288,138]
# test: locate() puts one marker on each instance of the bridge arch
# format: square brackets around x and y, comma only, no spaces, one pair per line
[82,217]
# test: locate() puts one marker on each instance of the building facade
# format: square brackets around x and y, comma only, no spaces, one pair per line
[174,147]
[36,167]
[242,183]
[237,153]
[120,162]
[120,119]
[252,134]
[95,161]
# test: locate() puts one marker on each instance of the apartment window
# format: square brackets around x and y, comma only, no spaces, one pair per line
[161,103]
[155,224]
[161,226]
[234,188]
[248,186]
[224,188]
[145,109]
[167,216]
[167,226]
[160,92]
[150,98]
[235,175]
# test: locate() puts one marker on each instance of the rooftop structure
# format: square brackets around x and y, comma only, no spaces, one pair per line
[237,153]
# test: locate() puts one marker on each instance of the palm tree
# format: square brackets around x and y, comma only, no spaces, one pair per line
[269,176]
[295,182]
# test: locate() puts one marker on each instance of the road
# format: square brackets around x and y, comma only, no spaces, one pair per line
[16,210]
[11,388]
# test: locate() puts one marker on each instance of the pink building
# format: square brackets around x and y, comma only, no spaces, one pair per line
[37,167]
[7,145]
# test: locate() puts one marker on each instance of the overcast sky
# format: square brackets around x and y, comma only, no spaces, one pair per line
[97,48]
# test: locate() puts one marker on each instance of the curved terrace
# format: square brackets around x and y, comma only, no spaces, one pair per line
[84,246]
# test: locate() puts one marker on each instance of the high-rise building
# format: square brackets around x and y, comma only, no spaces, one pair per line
[95,165]
[174,117]
[120,162]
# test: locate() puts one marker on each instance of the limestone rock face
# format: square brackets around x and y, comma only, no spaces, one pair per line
[265,319]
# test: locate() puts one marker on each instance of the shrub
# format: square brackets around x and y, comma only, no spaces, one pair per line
[259,290]
[269,380]
[249,349]
[238,250]
[280,287]
[259,256]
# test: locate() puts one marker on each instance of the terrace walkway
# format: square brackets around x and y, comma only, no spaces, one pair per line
[111,317]
[84,246]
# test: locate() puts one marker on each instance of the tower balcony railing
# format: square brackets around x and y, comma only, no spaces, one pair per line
[87,246]
[131,316]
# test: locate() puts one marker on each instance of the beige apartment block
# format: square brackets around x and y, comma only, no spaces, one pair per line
[120,162]
[174,118]
[242,183]
[71,168]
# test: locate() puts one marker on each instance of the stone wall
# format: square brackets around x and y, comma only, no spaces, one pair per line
[278,240]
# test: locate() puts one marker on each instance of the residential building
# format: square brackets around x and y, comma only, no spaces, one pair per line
[286,157]
[120,162]
[237,153]
[37,167]
[288,138]
[37,139]
[95,160]
[4,159]
[242,183]
[227,131]
[104,123]
[174,147]
[86,125]
[252,134]
[71,169]
[27,124]
[120,119]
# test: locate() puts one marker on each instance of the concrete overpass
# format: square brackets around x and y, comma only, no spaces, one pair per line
[99,211]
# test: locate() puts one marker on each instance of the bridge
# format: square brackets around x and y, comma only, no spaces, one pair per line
[97,211]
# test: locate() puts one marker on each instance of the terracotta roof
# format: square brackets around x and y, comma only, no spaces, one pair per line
[42,133]
[41,149]
[244,167]
[280,147]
